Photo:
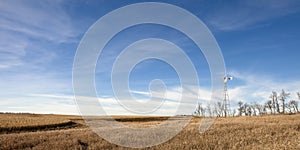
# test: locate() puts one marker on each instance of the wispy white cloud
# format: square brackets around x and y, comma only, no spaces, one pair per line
[44,19]
[24,24]
[67,97]
[39,103]
[253,88]
[111,106]
[137,50]
[31,32]
[20,85]
[258,88]
[140,93]
[250,13]
[43,109]
[12,49]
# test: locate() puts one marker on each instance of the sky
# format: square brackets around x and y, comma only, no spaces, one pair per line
[259,41]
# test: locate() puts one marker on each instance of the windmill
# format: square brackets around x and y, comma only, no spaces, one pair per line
[226,104]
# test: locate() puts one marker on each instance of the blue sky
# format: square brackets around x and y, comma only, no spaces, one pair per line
[259,41]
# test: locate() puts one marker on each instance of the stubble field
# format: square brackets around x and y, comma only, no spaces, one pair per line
[33,131]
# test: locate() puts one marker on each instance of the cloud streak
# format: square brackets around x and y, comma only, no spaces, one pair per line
[254,88]
[26,25]
[250,13]
[258,88]
[45,19]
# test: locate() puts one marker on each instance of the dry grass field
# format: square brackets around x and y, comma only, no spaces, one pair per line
[31,131]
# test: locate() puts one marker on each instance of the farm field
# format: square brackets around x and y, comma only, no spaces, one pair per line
[35,131]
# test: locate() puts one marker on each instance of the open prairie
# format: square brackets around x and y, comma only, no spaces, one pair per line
[34,131]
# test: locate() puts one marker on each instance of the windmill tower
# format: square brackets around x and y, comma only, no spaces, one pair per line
[226,104]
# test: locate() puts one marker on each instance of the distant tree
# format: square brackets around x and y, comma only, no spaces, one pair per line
[209,110]
[241,108]
[268,105]
[294,104]
[298,93]
[271,103]
[271,106]
[289,107]
[275,104]
[200,111]
[259,108]
[248,110]
[233,112]
[219,109]
[253,109]
[216,110]
[283,96]
[264,110]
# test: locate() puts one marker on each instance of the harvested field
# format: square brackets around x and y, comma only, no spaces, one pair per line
[15,123]
[25,120]
[260,132]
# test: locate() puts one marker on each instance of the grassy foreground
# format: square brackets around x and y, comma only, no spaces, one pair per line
[28,131]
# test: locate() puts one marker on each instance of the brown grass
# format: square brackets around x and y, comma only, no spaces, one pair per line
[261,132]
[24,120]
[15,123]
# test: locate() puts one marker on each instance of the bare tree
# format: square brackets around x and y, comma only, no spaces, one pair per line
[200,111]
[272,106]
[233,112]
[248,110]
[197,110]
[259,108]
[253,108]
[268,105]
[275,104]
[283,96]
[264,110]
[216,110]
[241,108]
[209,110]
[219,109]
[289,107]
[294,104]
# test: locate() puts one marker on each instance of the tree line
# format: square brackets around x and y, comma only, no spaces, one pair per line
[278,103]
